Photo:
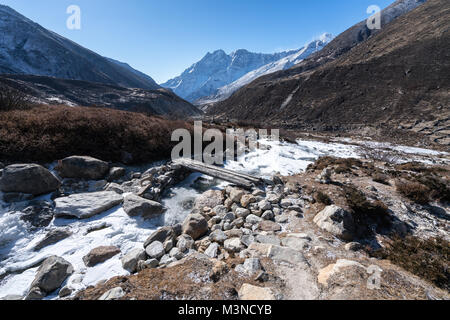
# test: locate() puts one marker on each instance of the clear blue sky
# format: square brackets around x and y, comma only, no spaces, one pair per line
[164,37]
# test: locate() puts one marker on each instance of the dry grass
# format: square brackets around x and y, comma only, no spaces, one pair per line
[428,259]
[414,191]
[322,198]
[48,133]
[11,99]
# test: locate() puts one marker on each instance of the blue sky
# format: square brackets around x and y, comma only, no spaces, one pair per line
[164,37]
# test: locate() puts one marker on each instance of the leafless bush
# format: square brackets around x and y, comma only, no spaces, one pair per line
[11,99]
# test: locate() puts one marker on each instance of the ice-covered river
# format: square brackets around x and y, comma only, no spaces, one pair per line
[19,262]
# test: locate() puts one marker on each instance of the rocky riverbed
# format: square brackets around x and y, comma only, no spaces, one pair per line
[92,224]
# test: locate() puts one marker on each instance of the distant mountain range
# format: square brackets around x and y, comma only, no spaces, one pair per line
[396,77]
[218,74]
[53,69]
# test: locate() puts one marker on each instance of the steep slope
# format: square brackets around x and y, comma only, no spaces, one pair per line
[282,64]
[399,75]
[216,70]
[49,90]
[28,48]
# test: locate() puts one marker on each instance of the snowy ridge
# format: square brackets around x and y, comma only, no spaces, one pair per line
[282,64]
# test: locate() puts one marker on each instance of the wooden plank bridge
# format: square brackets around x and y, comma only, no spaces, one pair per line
[239,179]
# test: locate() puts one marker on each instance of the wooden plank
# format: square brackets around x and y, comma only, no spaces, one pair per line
[240,179]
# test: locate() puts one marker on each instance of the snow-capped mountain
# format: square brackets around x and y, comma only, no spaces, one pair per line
[28,48]
[282,64]
[218,74]
[218,69]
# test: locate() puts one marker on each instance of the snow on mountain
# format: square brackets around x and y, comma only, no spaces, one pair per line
[28,48]
[282,64]
[218,69]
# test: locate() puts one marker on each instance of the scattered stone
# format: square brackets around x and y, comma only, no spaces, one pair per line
[49,277]
[167,259]
[238,223]
[268,215]
[99,255]
[269,226]
[336,221]
[326,273]
[324,177]
[131,259]
[212,250]
[82,168]
[286,203]
[162,235]
[264,205]
[86,205]
[220,210]
[282,219]
[247,240]
[353,246]
[168,245]
[53,237]
[218,236]
[176,253]
[273,198]
[233,245]
[65,292]
[252,265]
[115,173]
[253,219]
[185,242]
[134,206]
[258,193]
[39,214]
[229,217]
[242,212]
[115,188]
[247,199]
[29,179]
[234,233]
[155,250]
[113,294]
[249,292]
[236,195]
[195,225]
[148,264]
[211,199]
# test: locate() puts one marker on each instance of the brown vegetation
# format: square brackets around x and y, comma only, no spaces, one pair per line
[414,191]
[428,259]
[11,99]
[48,133]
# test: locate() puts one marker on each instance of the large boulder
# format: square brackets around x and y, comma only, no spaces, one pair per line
[210,199]
[99,255]
[131,259]
[86,205]
[29,179]
[137,206]
[53,237]
[155,250]
[336,221]
[82,168]
[162,235]
[50,275]
[195,225]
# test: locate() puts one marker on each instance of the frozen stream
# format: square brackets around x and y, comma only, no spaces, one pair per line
[19,261]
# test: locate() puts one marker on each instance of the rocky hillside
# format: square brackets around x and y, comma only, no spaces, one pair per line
[28,48]
[47,90]
[397,76]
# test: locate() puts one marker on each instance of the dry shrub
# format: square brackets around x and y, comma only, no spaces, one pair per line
[414,191]
[342,165]
[420,168]
[366,213]
[380,178]
[323,198]
[11,99]
[48,133]
[428,259]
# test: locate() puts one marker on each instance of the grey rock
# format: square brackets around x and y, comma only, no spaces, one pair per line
[353,246]
[264,205]
[28,178]
[134,206]
[295,243]
[252,265]
[148,264]
[195,225]
[49,277]
[99,255]
[242,212]
[53,237]
[38,214]
[131,259]
[236,195]
[185,242]
[218,236]
[238,223]
[82,168]
[86,205]
[65,292]
[286,255]
[247,239]
[176,253]
[155,250]
[336,221]
[212,250]
[282,219]
[210,199]
[115,173]
[268,239]
[233,245]
[113,294]
[162,235]
[253,219]
[167,259]
[268,215]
